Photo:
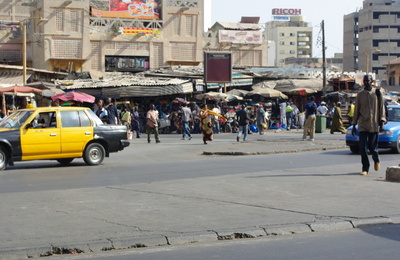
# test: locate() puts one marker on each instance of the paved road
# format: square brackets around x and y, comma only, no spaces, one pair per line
[171,193]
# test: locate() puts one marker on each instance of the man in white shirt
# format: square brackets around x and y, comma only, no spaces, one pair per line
[322,109]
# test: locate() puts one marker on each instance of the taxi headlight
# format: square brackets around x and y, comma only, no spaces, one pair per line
[348,131]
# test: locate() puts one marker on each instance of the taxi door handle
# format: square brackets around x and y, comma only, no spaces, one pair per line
[53,134]
[88,133]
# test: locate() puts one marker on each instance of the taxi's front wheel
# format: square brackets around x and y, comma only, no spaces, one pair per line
[94,154]
[3,157]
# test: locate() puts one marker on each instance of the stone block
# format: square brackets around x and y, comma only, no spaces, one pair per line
[393,173]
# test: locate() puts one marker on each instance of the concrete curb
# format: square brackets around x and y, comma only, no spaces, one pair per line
[271,152]
[190,238]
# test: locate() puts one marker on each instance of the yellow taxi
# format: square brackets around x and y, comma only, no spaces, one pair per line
[58,133]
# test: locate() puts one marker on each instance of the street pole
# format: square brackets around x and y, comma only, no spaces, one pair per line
[23,25]
[23,53]
[323,60]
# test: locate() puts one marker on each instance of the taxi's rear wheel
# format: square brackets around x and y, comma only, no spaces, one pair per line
[94,154]
[3,157]
[65,161]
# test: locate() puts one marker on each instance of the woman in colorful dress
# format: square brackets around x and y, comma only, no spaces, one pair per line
[206,125]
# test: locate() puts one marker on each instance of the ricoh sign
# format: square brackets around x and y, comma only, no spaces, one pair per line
[282,11]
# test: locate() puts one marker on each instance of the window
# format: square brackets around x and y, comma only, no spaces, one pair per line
[281,52]
[60,20]
[281,34]
[45,120]
[292,52]
[70,119]
[292,43]
[281,43]
[74,119]
[292,34]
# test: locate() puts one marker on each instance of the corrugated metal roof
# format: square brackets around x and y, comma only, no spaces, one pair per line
[12,78]
[119,81]
[240,26]
[149,90]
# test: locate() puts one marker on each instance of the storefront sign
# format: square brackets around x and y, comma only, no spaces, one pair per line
[240,37]
[217,67]
[144,9]
[281,18]
[281,11]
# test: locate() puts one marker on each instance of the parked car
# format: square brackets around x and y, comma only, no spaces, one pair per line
[58,133]
[388,138]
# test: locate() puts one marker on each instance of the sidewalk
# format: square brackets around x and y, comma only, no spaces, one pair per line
[244,204]
[274,141]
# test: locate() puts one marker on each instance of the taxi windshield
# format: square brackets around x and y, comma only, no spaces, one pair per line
[16,119]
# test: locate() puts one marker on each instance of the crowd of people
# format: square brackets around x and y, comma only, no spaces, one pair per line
[187,118]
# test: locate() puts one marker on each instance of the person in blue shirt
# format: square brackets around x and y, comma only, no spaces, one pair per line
[309,125]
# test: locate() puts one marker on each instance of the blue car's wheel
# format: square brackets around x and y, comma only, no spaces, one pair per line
[397,148]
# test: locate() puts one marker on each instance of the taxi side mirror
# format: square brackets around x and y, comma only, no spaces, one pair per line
[28,126]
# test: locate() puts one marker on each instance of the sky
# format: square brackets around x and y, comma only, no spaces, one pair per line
[314,12]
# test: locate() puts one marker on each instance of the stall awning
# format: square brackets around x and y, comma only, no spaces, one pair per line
[11,78]
[149,91]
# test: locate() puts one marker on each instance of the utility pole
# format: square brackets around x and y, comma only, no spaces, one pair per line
[323,59]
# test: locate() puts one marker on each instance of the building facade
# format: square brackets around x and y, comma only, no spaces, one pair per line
[99,36]
[291,38]
[245,40]
[372,37]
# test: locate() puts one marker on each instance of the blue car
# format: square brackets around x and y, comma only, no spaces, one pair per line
[390,136]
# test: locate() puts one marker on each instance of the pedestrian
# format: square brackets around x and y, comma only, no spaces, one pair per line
[369,114]
[309,125]
[243,121]
[196,118]
[217,110]
[260,118]
[294,115]
[100,111]
[350,114]
[126,117]
[152,123]
[206,125]
[282,111]
[289,110]
[112,112]
[186,118]
[322,109]
[337,120]
[136,121]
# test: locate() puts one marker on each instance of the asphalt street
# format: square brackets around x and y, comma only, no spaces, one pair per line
[180,192]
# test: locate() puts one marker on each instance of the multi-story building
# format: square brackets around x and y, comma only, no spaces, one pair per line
[244,39]
[291,38]
[372,37]
[98,36]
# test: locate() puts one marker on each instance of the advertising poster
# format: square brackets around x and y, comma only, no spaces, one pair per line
[240,37]
[217,67]
[126,9]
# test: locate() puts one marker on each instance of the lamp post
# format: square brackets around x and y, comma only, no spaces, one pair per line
[367,53]
[23,26]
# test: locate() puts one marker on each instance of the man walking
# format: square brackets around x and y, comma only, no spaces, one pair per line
[260,118]
[152,125]
[310,110]
[243,120]
[186,117]
[369,113]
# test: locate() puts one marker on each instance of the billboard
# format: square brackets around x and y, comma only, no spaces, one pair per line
[139,9]
[217,67]
[240,37]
